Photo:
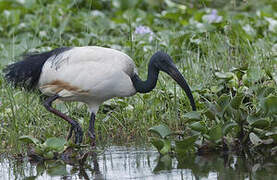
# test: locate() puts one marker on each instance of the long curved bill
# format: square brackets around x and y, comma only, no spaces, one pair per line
[178,77]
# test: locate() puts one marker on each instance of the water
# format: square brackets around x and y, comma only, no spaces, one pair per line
[119,162]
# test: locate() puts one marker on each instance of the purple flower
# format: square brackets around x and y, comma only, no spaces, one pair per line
[142,30]
[213,17]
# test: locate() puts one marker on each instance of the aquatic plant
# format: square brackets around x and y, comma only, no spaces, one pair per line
[240,115]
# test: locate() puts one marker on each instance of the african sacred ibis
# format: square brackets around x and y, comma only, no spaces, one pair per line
[90,75]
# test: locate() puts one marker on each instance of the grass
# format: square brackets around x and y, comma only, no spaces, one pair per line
[246,36]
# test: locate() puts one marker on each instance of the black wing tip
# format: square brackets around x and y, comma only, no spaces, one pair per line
[26,73]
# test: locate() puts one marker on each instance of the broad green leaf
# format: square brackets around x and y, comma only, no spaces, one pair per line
[215,133]
[236,101]
[157,143]
[161,130]
[269,105]
[258,122]
[255,73]
[223,101]
[198,126]
[164,163]
[54,143]
[216,89]
[49,155]
[29,139]
[255,139]
[263,92]
[185,144]
[211,111]
[193,116]
[166,148]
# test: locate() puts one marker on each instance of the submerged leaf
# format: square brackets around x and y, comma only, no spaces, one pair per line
[58,170]
[161,130]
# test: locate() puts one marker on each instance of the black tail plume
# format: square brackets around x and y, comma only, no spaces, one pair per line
[26,72]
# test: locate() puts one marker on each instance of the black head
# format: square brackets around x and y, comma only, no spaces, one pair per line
[163,62]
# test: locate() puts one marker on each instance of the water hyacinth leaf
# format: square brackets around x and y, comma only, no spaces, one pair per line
[227,75]
[255,139]
[209,114]
[198,126]
[164,163]
[211,111]
[49,155]
[29,139]
[55,143]
[237,100]
[157,143]
[185,144]
[166,148]
[216,89]
[255,73]
[246,80]
[263,92]
[269,105]
[223,101]
[258,122]
[192,116]
[161,130]
[228,127]
[215,133]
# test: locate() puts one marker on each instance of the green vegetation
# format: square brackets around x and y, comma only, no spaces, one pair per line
[228,57]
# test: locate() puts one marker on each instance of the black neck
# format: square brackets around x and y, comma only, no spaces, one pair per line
[150,83]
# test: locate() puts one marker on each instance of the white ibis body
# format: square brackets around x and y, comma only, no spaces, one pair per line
[90,75]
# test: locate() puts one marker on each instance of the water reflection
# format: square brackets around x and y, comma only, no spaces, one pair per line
[119,162]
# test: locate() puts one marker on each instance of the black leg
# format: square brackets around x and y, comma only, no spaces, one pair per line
[91,129]
[74,125]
